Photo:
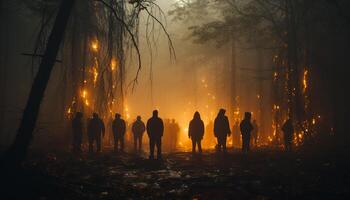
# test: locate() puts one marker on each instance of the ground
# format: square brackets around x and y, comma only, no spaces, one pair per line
[262,174]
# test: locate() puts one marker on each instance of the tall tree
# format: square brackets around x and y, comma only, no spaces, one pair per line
[18,150]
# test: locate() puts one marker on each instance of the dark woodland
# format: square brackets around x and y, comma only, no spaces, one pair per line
[174,99]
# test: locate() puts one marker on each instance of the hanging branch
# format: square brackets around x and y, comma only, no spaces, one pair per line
[171,46]
[135,80]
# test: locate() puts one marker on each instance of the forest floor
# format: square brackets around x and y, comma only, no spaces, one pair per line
[262,174]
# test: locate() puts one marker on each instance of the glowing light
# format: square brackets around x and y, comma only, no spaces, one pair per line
[185,130]
[69,111]
[300,136]
[305,85]
[269,138]
[95,74]
[313,121]
[113,64]
[94,45]
[86,102]
[84,94]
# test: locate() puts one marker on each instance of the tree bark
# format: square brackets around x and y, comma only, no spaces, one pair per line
[18,151]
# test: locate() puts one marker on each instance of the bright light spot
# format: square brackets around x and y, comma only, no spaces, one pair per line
[305,80]
[84,94]
[94,45]
[113,64]
[95,74]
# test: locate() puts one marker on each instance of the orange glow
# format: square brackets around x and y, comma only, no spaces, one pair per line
[113,64]
[305,85]
[95,74]
[84,94]
[94,46]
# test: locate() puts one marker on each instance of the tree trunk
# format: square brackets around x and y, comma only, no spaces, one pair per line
[18,151]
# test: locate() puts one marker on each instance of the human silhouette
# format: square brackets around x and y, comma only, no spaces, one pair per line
[96,130]
[138,128]
[246,129]
[255,133]
[288,131]
[174,130]
[221,129]
[118,129]
[196,132]
[77,127]
[155,129]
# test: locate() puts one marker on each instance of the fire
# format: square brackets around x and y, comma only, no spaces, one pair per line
[95,72]
[300,136]
[113,64]
[305,85]
[84,94]
[94,46]
[87,102]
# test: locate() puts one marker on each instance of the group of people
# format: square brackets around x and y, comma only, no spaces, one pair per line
[155,130]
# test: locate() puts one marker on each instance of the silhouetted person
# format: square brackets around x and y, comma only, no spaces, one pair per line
[196,132]
[118,128]
[77,127]
[288,131]
[155,129]
[174,130]
[255,133]
[246,129]
[138,128]
[96,130]
[221,129]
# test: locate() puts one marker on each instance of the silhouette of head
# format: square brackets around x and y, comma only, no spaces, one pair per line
[79,115]
[173,120]
[138,118]
[117,115]
[196,115]
[222,111]
[247,115]
[94,115]
[155,113]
